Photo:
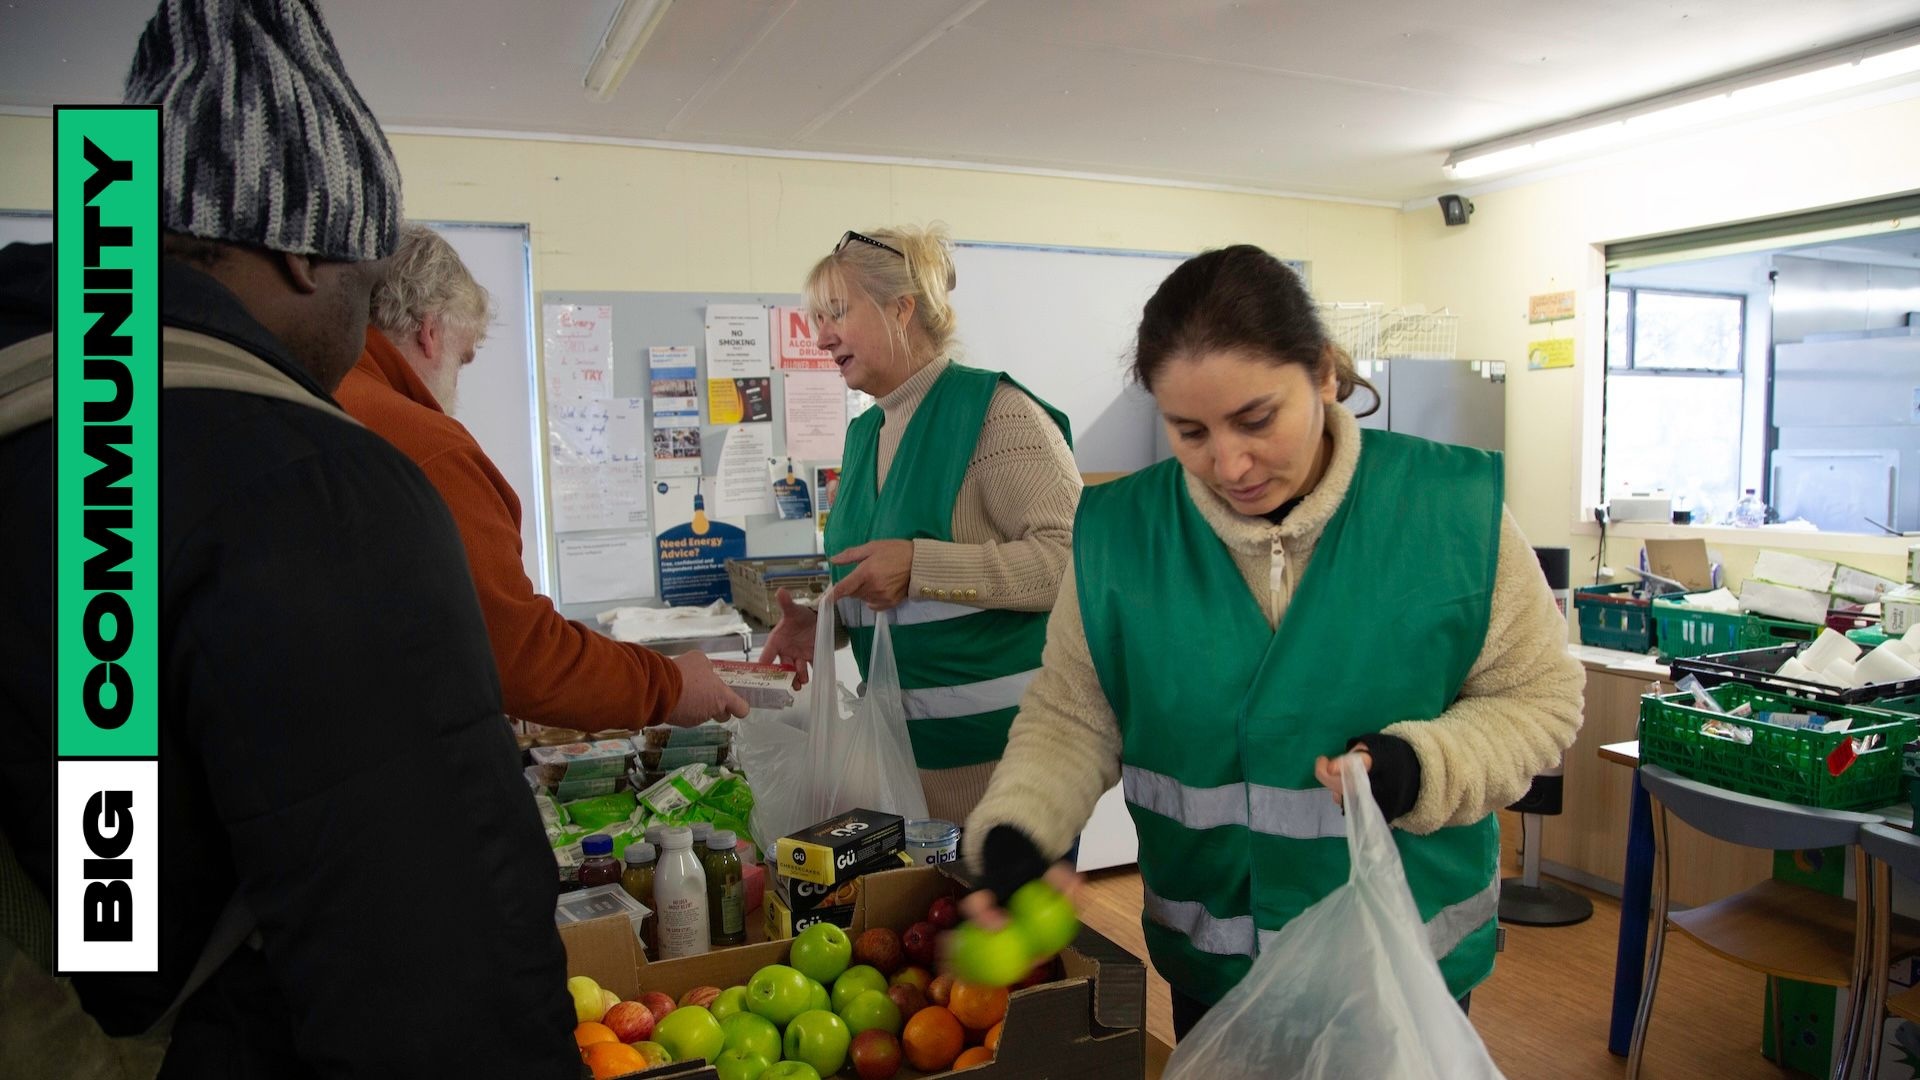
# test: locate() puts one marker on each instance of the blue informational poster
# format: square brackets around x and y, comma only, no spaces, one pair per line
[791,496]
[693,548]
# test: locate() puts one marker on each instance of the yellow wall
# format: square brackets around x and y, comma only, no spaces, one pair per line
[1543,237]
[629,218]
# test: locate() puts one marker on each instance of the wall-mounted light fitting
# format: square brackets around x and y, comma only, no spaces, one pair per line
[633,23]
[1846,67]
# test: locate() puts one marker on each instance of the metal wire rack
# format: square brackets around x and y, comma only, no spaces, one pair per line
[1419,335]
[1354,327]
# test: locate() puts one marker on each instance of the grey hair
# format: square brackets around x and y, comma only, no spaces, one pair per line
[426,277]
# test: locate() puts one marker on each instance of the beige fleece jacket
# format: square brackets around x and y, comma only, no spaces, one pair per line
[1517,713]
[1012,532]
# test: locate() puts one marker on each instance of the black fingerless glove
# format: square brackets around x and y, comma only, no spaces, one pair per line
[1009,860]
[1395,776]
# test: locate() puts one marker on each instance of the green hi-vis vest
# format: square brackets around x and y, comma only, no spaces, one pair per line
[962,668]
[1222,717]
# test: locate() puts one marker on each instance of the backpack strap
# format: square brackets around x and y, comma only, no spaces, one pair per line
[189,361]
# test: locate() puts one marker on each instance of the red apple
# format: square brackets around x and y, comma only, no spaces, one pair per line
[653,1054]
[908,998]
[921,941]
[657,1003]
[1043,972]
[918,977]
[879,948]
[944,913]
[875,1055]
[940,990]
[699,995]
[631,1021]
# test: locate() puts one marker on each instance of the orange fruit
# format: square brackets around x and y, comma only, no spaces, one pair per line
[979,1055]
[608,1060]
[589,1033]
[978,1007]
[993,1036]
[932,1039]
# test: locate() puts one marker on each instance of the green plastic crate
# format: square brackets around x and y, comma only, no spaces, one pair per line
[1782,763]
[1613,617]
[1683,631]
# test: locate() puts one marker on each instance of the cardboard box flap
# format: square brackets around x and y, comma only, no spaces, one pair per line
[605,950]
[1118,977]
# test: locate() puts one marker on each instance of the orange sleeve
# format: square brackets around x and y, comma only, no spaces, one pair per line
[553,670]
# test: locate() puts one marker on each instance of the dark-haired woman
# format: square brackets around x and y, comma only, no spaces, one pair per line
[1289,589]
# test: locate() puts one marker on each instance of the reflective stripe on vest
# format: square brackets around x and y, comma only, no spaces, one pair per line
[970,699]
[1302,814]
[1236,936]
[856,615]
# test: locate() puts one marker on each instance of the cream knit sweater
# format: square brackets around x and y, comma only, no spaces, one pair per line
[1012,531]
[1516,715]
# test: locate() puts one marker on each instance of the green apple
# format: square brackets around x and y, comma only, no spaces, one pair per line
[1046,916]
[991,958]
[655,1054]
[817,997]
[778,993]
[820,1039]
[690,1032]
[731,1001]
[753,1034]
[790,1070]
[822,952]
[740,1065]
[872,1009]
[856,981]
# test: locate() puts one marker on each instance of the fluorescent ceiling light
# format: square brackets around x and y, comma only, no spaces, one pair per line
[1847,67]
[633,23]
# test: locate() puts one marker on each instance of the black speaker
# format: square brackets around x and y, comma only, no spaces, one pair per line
[1557,564]
[1544,797]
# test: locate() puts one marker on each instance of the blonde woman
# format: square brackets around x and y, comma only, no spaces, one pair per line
[954,511]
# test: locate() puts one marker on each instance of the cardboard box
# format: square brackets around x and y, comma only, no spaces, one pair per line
[600,902]
[1780,568]
[801,897]
[1088,1026]
[1860,586]
[765,686]
[1783,601]
[1900,610]
[783,923]
[833,850]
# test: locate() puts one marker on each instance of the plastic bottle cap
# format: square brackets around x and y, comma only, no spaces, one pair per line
[702,829]
[678,838]
[640,853]
[722,840]
[654,833]
[597,845]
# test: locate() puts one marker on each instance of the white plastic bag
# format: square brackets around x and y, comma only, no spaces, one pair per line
[770,746]
[1349,990]
[863,759]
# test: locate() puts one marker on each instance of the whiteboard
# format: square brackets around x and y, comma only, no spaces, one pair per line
[1062,321]
[498,398]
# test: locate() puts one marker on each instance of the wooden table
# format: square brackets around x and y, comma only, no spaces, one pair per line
[1636,895]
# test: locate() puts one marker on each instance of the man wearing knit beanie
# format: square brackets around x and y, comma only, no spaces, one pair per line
[330,723]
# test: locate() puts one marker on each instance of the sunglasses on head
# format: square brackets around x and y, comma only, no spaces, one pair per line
[851,237]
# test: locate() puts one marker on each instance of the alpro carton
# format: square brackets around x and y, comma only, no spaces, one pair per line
[833,850]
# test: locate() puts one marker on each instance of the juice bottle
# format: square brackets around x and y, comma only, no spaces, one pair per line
[599,867]
[726,890]
[638,881]
[680,892]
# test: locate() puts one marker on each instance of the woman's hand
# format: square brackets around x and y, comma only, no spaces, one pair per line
[1327,771]
[982,908]
[881,578]
[792,640]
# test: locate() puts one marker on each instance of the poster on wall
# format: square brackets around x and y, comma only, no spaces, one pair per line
[577,342]
[739,401]
[595,569]
[1551,353]
[741,486]
[816,416]
[792,497]
[826,484]
[675,385]
[793,331]
[737,346]
[604,495]
[692,548]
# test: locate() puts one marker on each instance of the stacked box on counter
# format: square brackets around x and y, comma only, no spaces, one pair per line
[818,869]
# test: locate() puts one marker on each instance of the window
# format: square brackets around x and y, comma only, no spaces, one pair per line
[1675,396]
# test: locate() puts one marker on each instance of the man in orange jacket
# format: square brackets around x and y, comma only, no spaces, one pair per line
[429,316]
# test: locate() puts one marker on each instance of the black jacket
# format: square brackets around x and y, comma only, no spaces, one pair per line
[331,741]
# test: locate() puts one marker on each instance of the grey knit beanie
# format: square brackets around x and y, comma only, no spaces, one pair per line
[264,139]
